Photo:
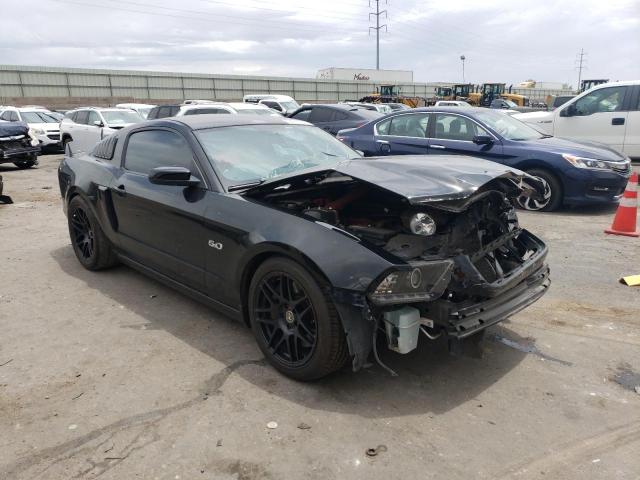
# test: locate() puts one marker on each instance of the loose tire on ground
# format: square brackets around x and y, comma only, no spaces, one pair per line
[300,313]
[91,246]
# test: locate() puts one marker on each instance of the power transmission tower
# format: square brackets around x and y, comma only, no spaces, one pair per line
[377,28]
[581,61]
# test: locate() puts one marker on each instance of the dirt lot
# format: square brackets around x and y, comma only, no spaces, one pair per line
[113,375]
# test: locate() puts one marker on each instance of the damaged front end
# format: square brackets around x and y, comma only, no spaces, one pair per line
[460,261]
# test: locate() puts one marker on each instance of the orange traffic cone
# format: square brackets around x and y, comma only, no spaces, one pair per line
[624,222]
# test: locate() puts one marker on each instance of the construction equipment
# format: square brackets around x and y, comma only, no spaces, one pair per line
[461,91]
[491,91]
[587,84]
[392,94]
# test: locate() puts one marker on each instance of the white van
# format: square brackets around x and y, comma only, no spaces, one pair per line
[281,103]
[607,113]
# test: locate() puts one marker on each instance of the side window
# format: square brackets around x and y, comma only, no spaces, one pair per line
[149,149]
[274,105]
[602,100]
[93,117]
[82,117]
[153,114]
[14,117]
[5,115]
[412,125]
[455,127]
[303,115]
[383,127]
[321,114]
[340,115]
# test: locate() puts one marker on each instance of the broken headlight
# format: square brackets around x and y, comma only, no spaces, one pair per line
[419,284]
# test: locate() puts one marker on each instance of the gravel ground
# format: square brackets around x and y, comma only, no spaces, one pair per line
[113,375]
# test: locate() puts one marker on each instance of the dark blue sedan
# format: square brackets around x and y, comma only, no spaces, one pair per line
[574,173]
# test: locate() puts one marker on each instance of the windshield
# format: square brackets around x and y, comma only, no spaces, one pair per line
[290,105]
[507,126]
[38,117]
[114,117]
[510,103]
[144,111]
[255,111]
[252,153]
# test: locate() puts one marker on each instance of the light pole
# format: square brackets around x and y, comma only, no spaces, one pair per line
[463,58]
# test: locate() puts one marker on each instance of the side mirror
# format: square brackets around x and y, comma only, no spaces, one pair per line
[482,140]
[176,176]
[570,111]
[98,123]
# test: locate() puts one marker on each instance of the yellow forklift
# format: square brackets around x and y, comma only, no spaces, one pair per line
[490,91]
[392,94]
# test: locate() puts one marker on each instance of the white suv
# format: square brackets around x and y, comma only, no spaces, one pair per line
[43,126]
[280,103]
[608,113]
[87,126]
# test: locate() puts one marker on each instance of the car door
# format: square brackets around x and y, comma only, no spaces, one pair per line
[93,130]
[402,134]
[78,131]
[454,134]
[598,116]
[631,145]
[161,226]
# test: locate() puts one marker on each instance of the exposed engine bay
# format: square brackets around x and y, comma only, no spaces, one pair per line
[388,221]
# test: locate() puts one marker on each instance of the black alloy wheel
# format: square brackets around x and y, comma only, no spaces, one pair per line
[91,246]
[82,235]
[294,320]
[287,318]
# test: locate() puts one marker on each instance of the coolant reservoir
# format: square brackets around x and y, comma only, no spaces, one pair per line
[402,327]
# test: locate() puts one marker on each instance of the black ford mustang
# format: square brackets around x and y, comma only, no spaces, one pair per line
[279,224]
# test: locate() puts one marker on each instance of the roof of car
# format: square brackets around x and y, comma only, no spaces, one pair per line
[200,122]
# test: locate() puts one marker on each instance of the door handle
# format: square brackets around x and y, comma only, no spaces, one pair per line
[439,147]
[617,121]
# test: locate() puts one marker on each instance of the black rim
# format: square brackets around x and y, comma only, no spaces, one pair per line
[286,318]
[83,237]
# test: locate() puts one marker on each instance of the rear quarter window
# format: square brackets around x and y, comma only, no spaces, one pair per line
[106,148]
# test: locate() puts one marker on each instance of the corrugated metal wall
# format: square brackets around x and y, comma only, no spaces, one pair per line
[64,83]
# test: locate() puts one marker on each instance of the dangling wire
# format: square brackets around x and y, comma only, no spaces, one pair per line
[375,352]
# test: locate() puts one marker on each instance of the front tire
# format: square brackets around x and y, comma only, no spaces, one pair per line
[295,323]
[91,246]
[553,195]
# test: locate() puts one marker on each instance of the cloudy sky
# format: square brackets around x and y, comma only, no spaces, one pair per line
[508,41]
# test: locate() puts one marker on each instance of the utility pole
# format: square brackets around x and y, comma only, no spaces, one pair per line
[581,61]
[377,28]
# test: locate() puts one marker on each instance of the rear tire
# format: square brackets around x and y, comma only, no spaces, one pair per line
[294,321]
[91,246]
[553,194]
[24,164]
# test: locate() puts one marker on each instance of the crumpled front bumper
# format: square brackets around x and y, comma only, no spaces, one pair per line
[499,299]
[463,320]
